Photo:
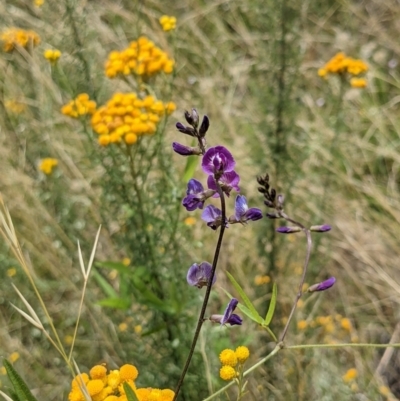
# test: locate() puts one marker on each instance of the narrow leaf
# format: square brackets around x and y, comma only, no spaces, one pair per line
[242,294]
[81,264]
[130,394]
[191,164]
[105,286]
[93,252]
[117,303]
[272,304]
[21,389]
[29,307]
[28,318]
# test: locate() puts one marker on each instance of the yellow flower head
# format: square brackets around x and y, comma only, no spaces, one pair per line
[94,386]
[38,3]
[302,324]
[14,37]
[14,106]
[123,327]
[358,82]
[228,357]
[98,372]
[227,373]
[13,357]
[52,55]
[155,395]
[260,280]
[141,58]
[350,375]
[80,106]
[190,221]
[167,395]
[168,23]
[143,394]
[11,272]
[47,165]
[113,379]
[242,353]
[128,372]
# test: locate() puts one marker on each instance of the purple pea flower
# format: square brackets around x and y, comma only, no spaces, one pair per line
[243,213]
[217,160]
[196,195]
[212,216]
[227,181]
[185,150]
[228,316]
[324,285]
[199,275]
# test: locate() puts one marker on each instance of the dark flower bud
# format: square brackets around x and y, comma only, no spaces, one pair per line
[205,124]
[321,229]
[185,130]
[262,190]
[192,118]
[288,230]
[268,203]
[324,285]
[273,216]
[185,150]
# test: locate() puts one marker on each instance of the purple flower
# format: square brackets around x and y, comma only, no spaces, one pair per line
[185,150]
[199,275]
[324,285]
[227,181]
[288,230]
[228,316]
[321,229]
[185,130]
[243,213]
[212,216]
[196,195]
[217,160]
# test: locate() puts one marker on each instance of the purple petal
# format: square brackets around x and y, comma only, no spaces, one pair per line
[185,150]
[217,160]
[192,202]
[227,181]
[240,207]
[234,319]
[324,285]
[229,310]
[194,187]
[211,213]
[253,214]
[199,275]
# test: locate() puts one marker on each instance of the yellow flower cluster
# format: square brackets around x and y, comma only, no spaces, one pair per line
[260,280]
[109,387]
[80,106]
[15,37]
[47,165]
[142,58]
[167,23]
[52,55]
[341,64]
[232,361]
[126,117]
[14,106]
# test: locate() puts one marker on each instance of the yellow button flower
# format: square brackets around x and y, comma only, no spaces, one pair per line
[47,165]
[167,23]
[228,357]
[227,373]
[242,353]
[52,55]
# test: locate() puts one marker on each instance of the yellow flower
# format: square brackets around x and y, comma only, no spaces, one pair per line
[190,221]
[227,373]
[167,395]
[83,377]
[122,327]
[155,395]
[13,357]
[14,107]
[260,280]
[98,372]
[94,386]
[242,353]
[385,391]
[345,324]
[168,23]
[113,379]
[14,37]
[46,165]
[143,393]
[228,357]
[11,272]
[302,324]
[3,370]
[80,106]
[138,329]
[126,261]
[358,82]
[52,55]
[350,375]
[38,3]
[68,339]
[128,372]
[130,138]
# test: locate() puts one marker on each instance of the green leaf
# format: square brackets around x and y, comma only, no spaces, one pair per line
[117,303]
[244,297]
[21,389]
[190,167]
[105,285]
[255,317]
[130,394]
[272,304]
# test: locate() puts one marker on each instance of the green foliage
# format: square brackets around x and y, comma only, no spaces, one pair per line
[21,390]
[130,394]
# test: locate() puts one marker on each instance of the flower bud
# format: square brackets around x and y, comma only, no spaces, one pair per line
[288,230]
[185,150]
[192,118]
[324,285]
[321,229]
[205,124]
[185,130]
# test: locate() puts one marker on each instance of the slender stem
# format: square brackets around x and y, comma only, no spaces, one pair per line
[207,294]
[343,345]
[303,277]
